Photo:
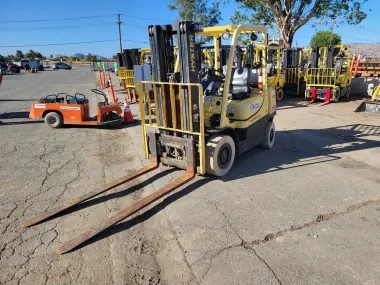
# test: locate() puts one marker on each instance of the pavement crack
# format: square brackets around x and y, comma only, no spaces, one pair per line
[266,264]
[320,218]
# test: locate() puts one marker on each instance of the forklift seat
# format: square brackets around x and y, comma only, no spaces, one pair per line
[241,78]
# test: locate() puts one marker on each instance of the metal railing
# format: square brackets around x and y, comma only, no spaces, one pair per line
[321,77]
[155,92]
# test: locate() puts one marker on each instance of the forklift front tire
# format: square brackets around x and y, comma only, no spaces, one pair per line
[337,94]
[220,155]
[269,136]
[53,120]
[279,94]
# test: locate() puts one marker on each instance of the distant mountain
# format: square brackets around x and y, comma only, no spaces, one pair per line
[369,50]
[78,55]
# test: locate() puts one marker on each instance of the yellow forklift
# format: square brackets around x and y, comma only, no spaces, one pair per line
[127,60]
[329,77]
[294,66]
[201,122]
[275,76]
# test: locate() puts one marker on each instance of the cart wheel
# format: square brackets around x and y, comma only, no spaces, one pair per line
[279,94]
[269,136]
[337,94]
[220,155]
[53,120]
[111,116]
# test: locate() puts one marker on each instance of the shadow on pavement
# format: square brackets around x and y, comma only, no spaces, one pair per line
[104,127]
[16,100]
[293,148]
[15,115]
[21,122]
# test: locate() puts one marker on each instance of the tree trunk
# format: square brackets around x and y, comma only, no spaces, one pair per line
[286,37]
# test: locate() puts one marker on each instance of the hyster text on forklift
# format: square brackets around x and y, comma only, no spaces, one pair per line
[202,119]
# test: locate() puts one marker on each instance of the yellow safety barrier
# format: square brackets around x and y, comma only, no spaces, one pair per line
[128,76]
[172,93]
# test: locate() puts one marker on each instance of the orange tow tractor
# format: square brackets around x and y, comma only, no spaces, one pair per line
[74,110]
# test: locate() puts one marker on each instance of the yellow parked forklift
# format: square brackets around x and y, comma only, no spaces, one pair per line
[329,76]
[294,66]
[202,121]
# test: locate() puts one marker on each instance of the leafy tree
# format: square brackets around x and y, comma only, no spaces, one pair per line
[19,55]
[38,55]
[91,57]
[31,54]
[322,38]
[197,10]
[73,58]
[51,56]
[11,57]
[290,15]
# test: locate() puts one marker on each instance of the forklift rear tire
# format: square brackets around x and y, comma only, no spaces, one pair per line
[269,136]
[53,120]
[220,155]
[348,91]
[279,94]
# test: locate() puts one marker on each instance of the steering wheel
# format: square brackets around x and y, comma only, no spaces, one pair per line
[99,92]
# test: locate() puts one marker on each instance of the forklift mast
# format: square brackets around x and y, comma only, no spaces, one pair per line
[291,58]
[161,38]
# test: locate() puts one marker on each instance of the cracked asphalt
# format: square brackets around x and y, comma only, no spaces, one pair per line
[305,212]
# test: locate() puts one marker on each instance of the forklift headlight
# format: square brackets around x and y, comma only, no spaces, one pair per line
[226,35]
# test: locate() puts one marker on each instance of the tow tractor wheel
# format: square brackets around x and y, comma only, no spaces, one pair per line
[279,94]
[220,155]
[337,94]
[269,136]
[53,120]
[348,91]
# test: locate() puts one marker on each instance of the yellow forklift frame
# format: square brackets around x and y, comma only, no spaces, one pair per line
[323,77]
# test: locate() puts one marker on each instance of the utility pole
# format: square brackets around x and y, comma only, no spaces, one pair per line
[119,23]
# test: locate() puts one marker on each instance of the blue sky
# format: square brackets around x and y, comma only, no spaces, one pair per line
[133,28]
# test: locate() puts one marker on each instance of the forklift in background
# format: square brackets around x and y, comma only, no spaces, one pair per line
[275,76]
[201,122]
[294,66]
[329,76]
[127,60]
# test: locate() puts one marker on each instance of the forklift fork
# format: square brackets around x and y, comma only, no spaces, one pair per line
[313,97]
[190,174]
[327,98]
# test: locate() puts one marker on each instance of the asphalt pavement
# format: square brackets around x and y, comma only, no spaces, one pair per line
[305,212]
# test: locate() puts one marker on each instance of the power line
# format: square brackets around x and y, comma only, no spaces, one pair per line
[143,18]
[76,43]
[79,18]
[55,19]
[57,28]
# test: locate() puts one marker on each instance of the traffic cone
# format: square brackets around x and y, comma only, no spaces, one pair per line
[260,82]
[128,117]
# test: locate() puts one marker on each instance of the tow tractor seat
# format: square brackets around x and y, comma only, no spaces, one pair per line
[241,80]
